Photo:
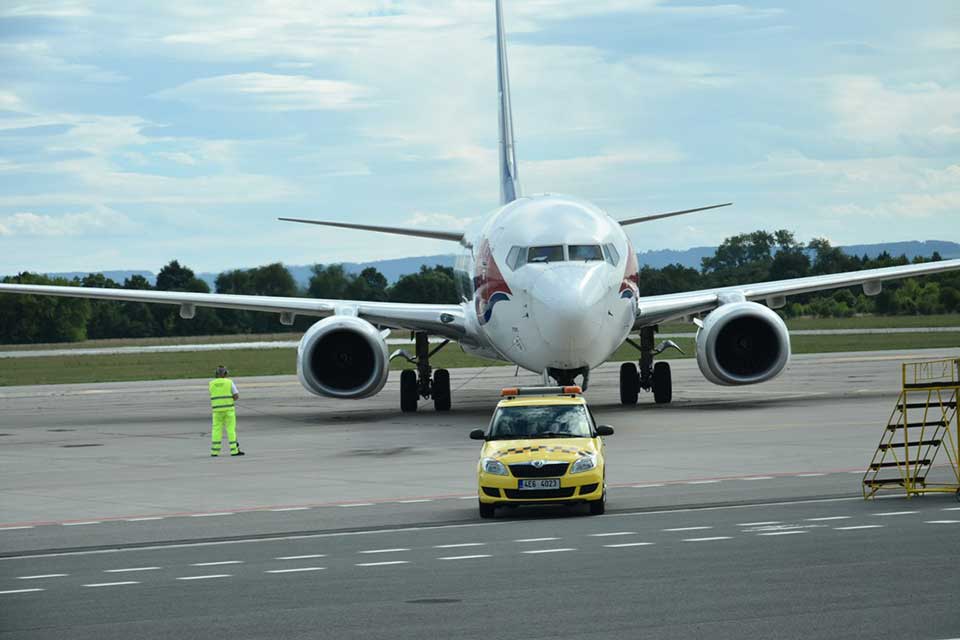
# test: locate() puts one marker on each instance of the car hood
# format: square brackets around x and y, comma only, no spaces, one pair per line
[561,449]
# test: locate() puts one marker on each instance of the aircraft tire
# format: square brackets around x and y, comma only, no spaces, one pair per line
[409,391]
[629,383]
[662,383]
[441,390]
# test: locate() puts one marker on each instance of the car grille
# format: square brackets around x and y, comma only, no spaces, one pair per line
[539,494]
[548,470]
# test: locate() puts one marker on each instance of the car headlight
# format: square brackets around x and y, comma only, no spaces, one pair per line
[584,464]
[491,465]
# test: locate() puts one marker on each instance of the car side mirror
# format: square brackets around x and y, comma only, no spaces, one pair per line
[478,434]
[604,430]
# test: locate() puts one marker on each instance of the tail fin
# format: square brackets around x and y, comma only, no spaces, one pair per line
[509,182]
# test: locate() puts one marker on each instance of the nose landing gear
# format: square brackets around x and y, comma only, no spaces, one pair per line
[648,376]
[423,382]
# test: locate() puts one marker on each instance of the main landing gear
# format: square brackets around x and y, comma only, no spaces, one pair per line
[423,382]
[648,376]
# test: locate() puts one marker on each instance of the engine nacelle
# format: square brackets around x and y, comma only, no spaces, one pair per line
[343,357]
[742,343]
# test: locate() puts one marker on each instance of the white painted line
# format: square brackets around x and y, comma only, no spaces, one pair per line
[758,478]
[45,575]
[216,564]
[297,570]
[111,584]
[15,528]
[145,519]
[131,569]
[458,545]
[467,498]
[856,473]
[357,504]
[627,544]
[306,557]
[548,550]
[646,486]
[782,533]
[279,509]
[702,482]
[758,524]
[827,519]
[707,539]
[3,593]
[211,515]
[614,533]
[862,526]
[80,524]
[951,508]
[481,555]
[536,539]
[809,475]
[896,513]
[687,529]
[209,577]
[381,564]
[942,521]
[383,550]
[414,501]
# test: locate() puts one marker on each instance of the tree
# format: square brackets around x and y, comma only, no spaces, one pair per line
[269,280]
[106,316]
[369,285]
[436,285]
[328,281]
[32,319]
[175,277]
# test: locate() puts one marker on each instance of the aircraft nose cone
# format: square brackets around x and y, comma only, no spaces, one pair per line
[566,301]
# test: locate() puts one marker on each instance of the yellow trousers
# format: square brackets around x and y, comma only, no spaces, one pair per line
[224,418]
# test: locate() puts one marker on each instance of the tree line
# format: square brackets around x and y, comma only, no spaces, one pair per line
[752,257]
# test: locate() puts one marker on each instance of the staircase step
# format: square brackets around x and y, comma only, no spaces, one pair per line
[883,481]
[931,385]
[912,425]
[900,445]
[886,465]
[923,405]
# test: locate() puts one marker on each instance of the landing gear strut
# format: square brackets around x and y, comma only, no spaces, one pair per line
[648,376]
[423,382]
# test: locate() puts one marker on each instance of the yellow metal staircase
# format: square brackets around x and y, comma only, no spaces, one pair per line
[924,422]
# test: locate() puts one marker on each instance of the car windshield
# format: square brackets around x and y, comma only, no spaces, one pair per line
[585,252]
[556,421]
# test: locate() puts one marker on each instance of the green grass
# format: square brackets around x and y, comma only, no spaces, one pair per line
[266,362]
[858,322]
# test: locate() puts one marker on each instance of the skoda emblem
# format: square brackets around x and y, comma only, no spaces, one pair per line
[537,463]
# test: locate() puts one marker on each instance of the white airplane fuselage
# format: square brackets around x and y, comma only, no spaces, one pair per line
[568,304]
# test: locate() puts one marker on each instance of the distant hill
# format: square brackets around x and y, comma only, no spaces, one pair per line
[393,269]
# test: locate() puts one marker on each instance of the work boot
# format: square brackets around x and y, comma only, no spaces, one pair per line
[238,453]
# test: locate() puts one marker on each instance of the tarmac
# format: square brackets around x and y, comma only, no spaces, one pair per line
[732,513]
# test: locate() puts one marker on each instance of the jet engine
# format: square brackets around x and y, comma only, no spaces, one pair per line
[343,357]
[742,343]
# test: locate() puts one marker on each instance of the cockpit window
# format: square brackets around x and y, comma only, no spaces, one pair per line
[517,257]
[551,253]
[611,254]
[584,252]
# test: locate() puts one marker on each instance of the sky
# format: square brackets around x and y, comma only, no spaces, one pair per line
[135,133]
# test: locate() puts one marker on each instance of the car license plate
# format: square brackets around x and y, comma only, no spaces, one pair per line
[544,483]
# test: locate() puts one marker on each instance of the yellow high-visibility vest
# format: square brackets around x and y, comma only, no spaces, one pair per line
[221,394]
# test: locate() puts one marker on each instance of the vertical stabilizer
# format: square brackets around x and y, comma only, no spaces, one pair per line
[509,182]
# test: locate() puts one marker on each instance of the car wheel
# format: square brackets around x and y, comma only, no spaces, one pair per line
[486,510]
[598,507]
[629,383]
[409,393]
[441,390]
[662,383]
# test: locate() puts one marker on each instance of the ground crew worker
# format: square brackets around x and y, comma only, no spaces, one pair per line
[223,396]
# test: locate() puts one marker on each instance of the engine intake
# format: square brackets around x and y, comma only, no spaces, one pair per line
[343,357]
[742,343]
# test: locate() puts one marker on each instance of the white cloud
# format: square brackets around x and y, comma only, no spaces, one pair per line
[441,221]
[100,220]
[269,92]
[47,9]
[178,157]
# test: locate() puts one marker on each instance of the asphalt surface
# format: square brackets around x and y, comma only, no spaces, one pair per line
[733,513]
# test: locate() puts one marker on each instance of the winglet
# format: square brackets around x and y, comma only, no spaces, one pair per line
[509,182]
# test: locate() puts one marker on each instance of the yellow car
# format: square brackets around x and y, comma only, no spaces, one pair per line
[542,447]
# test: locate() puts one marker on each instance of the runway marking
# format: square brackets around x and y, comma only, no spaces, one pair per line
[459,544]
[80,524]
[381,564]
[707,539]
[548,550]
[896,513]
[627,544]
[306,557]
[808,475]
[144,519]
[646,486]
[758,478]
[16,528]
[111,584]
[951,508]
[45,575]
[131,569]
[481,555]
[687,529]
[356,504]
[942,521]
[782,533]
[859,526]
[702,481]
[828,518]
[297,570]
[211,515]
[418,500]
[279,509]
[615,533]
[466,497]
[383,550]
[758,524]
[208,577]
[216,564]
[855,473]
[11,591]
[536,539]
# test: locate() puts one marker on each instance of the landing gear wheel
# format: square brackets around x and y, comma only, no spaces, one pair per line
[629,383]
[441,390]
[409,391]
[662,383]
[486,510]
[598,507]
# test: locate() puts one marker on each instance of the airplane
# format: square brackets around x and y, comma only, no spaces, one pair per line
[552,288]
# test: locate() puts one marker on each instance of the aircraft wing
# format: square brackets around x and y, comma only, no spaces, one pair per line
[655,309]
[445,320]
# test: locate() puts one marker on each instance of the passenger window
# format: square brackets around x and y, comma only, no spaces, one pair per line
[584,252]
[612,256]
[552,253]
